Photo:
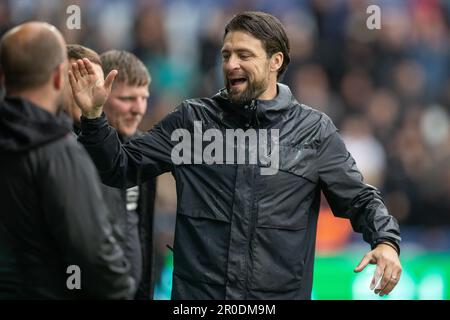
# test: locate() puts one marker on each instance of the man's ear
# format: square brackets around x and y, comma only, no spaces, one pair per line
[276,61]
[59,76]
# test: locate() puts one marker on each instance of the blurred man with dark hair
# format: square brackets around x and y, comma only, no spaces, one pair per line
[246,230]
[53,215]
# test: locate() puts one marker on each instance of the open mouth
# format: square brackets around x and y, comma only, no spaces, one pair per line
[237,82]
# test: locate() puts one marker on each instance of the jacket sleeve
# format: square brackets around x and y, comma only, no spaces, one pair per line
[126,165]
[77,218]
[348,196]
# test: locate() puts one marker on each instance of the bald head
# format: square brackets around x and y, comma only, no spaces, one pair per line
[29,55]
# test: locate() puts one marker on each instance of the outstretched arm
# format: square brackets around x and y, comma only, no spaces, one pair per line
[119,165]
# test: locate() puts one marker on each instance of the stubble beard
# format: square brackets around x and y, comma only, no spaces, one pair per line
[252,91]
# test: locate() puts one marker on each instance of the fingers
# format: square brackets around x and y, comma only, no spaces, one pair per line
[82,67]
[73,82]
[110,79]
[388,271]
[377,277]
[76,71]
[388,261]
[364,262]
[88,66]
[393,280]
[384,281]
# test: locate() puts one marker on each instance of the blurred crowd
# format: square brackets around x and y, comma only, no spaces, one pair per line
[387,90]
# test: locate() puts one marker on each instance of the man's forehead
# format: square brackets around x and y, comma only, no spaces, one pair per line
[241,40]
[122,88]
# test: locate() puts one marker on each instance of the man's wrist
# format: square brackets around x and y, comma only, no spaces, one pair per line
[89,121]
[93,114]
[390,244]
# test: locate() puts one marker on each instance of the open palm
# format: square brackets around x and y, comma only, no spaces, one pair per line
[88,88]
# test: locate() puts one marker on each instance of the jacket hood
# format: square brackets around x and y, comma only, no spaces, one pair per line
[24,126]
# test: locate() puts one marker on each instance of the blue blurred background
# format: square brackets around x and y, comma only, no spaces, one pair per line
[387,90]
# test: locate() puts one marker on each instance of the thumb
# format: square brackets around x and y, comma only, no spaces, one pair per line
[364,262]
[110,79]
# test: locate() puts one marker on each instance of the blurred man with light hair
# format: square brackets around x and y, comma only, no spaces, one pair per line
[124,109]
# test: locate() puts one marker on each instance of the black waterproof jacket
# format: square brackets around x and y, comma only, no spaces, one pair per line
[117,204]
[116,201]
[240,234]
[52,213]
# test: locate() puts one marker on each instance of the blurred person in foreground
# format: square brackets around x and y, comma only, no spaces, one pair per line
[53,215]
[132,209]
[245,229]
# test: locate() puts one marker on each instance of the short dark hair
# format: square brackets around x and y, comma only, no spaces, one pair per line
[30,62]
[132,71]
[266,28]
[77,51]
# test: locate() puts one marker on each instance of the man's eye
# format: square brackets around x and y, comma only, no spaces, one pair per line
[244,56]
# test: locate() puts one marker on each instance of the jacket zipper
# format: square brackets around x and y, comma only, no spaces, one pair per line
[254,114]
[253,216]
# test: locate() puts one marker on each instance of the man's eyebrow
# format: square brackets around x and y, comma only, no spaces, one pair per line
[125,96]
[132,96]
[239,50]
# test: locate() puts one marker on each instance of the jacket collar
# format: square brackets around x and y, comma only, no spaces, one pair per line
[260,111]
[281,102]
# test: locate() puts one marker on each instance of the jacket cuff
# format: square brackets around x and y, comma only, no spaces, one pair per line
[93,130]
[375,238]
[393,243]
[88,123]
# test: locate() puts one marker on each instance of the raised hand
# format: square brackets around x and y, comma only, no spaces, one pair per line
[89,90]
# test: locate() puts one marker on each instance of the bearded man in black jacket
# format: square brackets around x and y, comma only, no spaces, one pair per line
[245,226]
[53,219]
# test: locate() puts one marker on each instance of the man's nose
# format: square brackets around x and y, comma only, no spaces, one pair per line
[139,106]
[233,63]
